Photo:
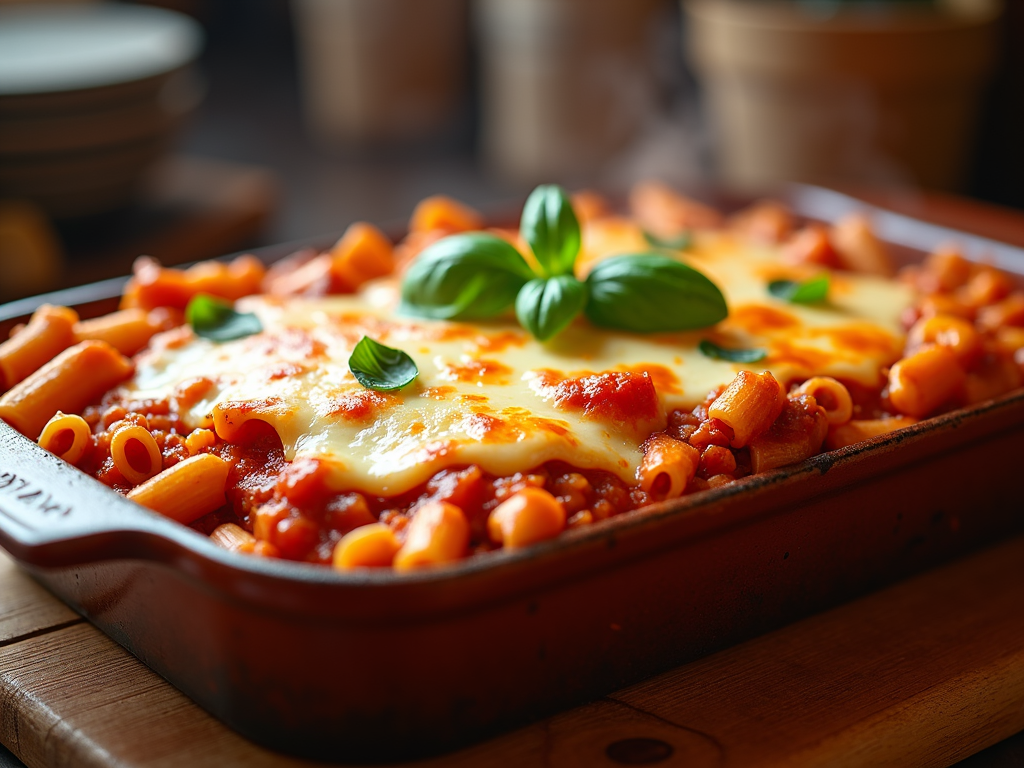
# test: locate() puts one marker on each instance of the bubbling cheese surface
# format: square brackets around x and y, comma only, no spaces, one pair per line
[488,393]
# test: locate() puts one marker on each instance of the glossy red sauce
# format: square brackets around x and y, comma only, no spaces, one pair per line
[664,378]
[622,397]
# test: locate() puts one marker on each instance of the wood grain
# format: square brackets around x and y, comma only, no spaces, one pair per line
[922,674]
[25,607]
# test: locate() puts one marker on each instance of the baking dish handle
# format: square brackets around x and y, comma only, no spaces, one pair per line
[53,515]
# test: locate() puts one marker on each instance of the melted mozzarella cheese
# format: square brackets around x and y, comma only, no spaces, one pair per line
[484,396]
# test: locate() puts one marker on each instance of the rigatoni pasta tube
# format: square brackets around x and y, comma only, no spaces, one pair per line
[796,435]
[369,546]
[362,253]
[858,248]
[748,406]
[127,331]
[667,467]
[954,333]
[47,334]
[438,533]
[927,379]
[529,516]
[135,453]
[188,490]
[832,396]
[66,435]
[69,382]
[444,213]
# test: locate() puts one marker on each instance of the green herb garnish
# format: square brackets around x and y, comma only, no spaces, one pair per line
[680,242]
[468,276]
[546,305]
[550,227]
[647,293]
[382,368]
[477,275]
[217,320]
[732,355]
[808,292]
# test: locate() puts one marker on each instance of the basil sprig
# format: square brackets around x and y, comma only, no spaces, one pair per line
[808,292]
[469,276]
[550,227]
[545,306]
[647,293]
[731,354]
[680,242]
[476,276]
[382,368]
[216,319]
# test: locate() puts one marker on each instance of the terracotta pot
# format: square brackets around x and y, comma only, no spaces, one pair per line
[871,94]
[381,70]
[565,83]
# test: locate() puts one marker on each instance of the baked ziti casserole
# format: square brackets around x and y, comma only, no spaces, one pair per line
[464,389]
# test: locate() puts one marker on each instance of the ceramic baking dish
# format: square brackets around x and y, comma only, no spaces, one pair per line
[379,666]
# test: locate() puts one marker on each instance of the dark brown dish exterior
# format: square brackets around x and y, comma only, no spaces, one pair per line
[381,666]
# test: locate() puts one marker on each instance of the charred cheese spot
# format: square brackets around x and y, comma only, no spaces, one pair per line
[362,405]
[759,319]
[478,371]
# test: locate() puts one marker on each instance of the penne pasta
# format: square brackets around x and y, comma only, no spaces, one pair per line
[69,382]
[128,330]
[47,334]
[188,490]
[233,538]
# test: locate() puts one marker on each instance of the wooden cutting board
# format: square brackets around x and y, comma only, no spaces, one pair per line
[923,673]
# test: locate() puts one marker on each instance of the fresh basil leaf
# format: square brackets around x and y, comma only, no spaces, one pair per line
[545,306]
[381,368]
[464,277]
[550,226]
[647,293]
[680,242]
[217,320]
[732,355]
[807,292]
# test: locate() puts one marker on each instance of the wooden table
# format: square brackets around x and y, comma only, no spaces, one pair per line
[923,673]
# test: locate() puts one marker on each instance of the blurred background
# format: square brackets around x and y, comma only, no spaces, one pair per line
[185,129]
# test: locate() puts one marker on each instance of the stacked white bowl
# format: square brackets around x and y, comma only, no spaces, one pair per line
[90,96]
